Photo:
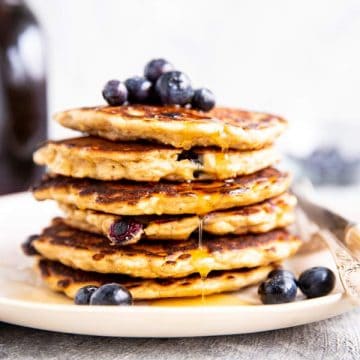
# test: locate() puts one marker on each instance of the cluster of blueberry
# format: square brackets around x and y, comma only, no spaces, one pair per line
[160,85]
[281,285]
[109,294]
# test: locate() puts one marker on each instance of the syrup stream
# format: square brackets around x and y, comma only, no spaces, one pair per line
[200,229]
[200,247]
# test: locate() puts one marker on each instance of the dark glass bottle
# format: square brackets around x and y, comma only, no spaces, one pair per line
[23,115]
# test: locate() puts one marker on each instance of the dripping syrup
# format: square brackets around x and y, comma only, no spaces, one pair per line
[199,258]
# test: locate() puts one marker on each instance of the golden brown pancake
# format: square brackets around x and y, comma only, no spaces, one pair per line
[146,198]
[101,159]
[67,280]
[179,127]
[258,218]
[91,252]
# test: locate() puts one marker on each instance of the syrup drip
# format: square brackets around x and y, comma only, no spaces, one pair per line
[222,162]
[203,273]
[201,223]
[199,257]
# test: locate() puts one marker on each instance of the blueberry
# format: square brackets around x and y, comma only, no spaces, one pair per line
[111,294]
[123,231]
[198,173]
[115,92]
[316,281]
[277,290]
[83,295]
[281,273]
[155,68]
[190,155]
[203,99]
[28,247]
[174,87]
[139,89]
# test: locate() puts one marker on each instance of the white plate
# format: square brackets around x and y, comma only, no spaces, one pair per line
[25,301]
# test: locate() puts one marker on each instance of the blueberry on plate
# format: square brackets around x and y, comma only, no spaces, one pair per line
[203,99]
[83,295]
[174,88]
[139,89]
[281,273]
[316,281]
[111,294]
[277,290]
[115,92]
[155,68]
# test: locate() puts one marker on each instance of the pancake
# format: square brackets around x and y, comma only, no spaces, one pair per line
[101,159]
[258,218]
[146,198]
[157,259]
[179,127]
[67,280]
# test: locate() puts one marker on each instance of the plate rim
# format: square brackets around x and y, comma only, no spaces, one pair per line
[293,306]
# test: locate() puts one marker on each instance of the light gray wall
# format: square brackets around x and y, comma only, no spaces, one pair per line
[297,58]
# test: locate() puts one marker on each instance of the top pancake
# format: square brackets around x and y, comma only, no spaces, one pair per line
[179,127]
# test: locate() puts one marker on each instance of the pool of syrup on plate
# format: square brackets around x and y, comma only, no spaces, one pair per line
[210,300]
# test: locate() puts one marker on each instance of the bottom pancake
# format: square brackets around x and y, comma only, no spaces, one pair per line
[64,279]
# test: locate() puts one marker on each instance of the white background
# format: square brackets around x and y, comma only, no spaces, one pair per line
[300,59]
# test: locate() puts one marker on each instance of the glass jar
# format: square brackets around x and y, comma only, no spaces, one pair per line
[23,106]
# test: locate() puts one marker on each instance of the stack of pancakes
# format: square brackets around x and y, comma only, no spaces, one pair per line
[167,201]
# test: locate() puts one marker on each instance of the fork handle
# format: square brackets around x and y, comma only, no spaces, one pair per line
[348,266]
[352,239]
